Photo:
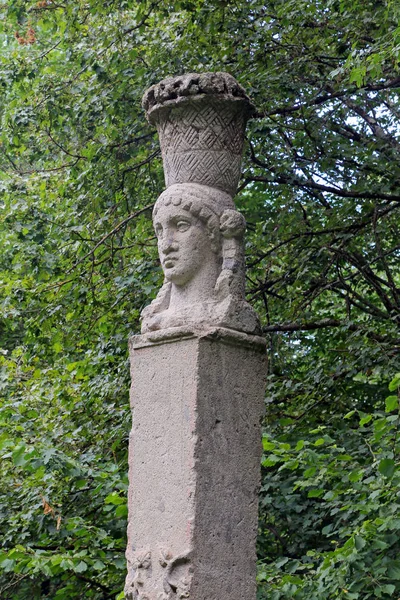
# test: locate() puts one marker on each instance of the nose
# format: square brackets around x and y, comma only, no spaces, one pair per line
[168,244]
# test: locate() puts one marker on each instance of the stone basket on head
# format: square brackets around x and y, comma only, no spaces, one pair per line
[200,119]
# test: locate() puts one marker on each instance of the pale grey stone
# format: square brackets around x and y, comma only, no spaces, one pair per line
[198,369]
[197,401]
[200,119]
[200,244]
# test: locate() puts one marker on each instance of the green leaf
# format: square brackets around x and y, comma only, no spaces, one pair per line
[319,442]
[355,476]
[388,588]
[391,403]
[99,565]
[121,511]
[18,456]
[349,414]
[387,467]
[7,565]
[282,561]
[395,383]
[267,445]
[114,498]
[365,420]
[315,493]
[359,542]
[81,567]
[310,472]
[394,571]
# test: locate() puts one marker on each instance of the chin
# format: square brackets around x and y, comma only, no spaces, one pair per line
[176,277]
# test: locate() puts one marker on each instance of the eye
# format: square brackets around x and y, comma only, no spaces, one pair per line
[182,225]
[158,229]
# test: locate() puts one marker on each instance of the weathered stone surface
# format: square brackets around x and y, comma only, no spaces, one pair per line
[197,401]
[200,120]
[200,244]
[177,88]
[197,370]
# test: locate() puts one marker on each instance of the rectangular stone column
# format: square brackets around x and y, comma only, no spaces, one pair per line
[194,466]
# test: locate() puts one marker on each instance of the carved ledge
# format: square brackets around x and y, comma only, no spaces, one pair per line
[173,334]
[173,90]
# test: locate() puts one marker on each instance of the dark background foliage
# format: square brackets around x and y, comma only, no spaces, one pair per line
[80,170]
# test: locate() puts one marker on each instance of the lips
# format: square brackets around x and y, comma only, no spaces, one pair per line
[169,262]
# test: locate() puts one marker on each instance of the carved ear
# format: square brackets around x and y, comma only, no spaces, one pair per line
[214,242]
[232,224]
[212,224]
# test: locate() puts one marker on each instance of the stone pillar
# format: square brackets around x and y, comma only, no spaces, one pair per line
[198,368]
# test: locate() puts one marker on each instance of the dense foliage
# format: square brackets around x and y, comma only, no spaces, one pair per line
[80,170]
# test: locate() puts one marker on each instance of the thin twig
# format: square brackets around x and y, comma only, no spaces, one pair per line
[109,234]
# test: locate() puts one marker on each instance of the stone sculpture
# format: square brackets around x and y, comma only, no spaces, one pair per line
[198,367]
[201,121]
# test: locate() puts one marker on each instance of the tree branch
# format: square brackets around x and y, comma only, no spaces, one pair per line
[100,586]
[310,183]
[322,324]
[142,163]
[78,156]
[321,99]
[109,234]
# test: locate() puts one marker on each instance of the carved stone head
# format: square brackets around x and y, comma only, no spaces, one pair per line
[186,220]
[200,119]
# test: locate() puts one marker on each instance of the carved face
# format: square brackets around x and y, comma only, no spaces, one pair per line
[184,245]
